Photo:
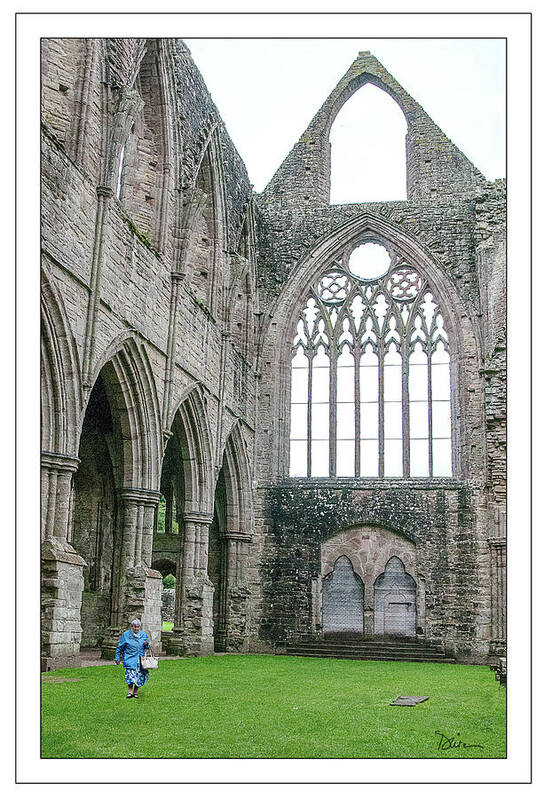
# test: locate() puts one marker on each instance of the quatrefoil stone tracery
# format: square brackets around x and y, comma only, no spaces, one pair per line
[404,284]
[334,287]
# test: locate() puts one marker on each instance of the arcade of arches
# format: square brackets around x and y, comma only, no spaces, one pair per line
[293,407]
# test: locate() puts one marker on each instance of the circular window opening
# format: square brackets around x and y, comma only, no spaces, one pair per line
[369,261]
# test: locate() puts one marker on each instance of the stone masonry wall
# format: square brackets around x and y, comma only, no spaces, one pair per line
[189,251]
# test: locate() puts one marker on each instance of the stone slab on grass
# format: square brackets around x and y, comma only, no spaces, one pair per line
[409,701]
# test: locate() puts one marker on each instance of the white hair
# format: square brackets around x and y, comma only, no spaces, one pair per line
[136,621]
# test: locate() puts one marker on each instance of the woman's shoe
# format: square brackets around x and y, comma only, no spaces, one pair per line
[129,696]
[135,696]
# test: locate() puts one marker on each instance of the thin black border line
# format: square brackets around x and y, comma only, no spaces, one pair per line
[438,14]
[530,400]
[274,13]
[15,382]
[303,39]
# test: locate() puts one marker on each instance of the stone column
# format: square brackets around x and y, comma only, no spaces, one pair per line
[136,587]
[497,545]
[369,612]
[193,625]
[62,567]
[230,634]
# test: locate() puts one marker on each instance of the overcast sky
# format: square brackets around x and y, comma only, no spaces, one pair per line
[267,91]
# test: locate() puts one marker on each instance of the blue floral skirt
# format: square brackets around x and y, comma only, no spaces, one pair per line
[136,677]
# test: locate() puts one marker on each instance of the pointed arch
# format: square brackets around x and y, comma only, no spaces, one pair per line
[237,482]
[132,395]
[146,158]
[329,253]
[190,425]
[60,374]
[368,227]
[368,149]
[338,99]
[239,310]
[343,599]
[395,600]
[204,228]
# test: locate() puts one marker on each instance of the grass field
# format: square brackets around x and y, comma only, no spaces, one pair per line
[273,706]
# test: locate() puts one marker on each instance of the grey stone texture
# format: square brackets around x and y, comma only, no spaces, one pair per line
[168,604]
[169,293]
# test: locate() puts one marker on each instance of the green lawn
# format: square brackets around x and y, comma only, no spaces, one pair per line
[273,706]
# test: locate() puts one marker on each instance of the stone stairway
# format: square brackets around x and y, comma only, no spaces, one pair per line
[410,650]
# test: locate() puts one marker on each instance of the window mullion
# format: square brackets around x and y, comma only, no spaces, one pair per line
[309,431]
[333,358]
[357,359]
[430,407]
[381,416]
[405,410]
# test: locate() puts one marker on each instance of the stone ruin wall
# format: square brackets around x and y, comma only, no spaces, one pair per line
[453,216]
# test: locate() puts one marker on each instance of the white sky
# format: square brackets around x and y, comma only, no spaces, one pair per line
[267,91]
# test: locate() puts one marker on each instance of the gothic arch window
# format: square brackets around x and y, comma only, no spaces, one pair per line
[368,149]
[143,168]
[370,372]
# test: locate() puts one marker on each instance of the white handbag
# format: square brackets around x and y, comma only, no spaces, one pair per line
[149,661]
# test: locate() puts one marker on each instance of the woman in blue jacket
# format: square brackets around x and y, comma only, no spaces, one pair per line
[131,647]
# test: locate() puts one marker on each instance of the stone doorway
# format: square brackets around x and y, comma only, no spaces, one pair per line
[343,600]
[395,601]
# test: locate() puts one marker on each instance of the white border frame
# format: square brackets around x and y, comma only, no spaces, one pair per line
[516,767]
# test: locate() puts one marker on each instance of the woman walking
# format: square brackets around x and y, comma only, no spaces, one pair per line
[131,647]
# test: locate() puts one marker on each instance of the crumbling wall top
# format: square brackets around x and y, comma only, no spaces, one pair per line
[435,167]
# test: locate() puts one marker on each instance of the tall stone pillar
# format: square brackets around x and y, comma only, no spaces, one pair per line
[136,587]
[497,545]
[62,567]
[230,633]
[193,625]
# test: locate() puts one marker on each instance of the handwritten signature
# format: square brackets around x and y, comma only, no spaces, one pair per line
[446,742]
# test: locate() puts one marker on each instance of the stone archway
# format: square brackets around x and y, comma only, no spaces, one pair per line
[230,537]
[375,557]
[343,600]
[395,601]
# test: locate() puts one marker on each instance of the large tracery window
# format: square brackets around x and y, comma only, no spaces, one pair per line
[370,376]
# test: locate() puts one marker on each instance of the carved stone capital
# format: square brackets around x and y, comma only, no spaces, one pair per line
[232,535]
[140,496]
[197,517]
[59,461]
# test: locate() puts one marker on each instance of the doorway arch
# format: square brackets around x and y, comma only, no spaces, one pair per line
[343,599]
[395,601]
